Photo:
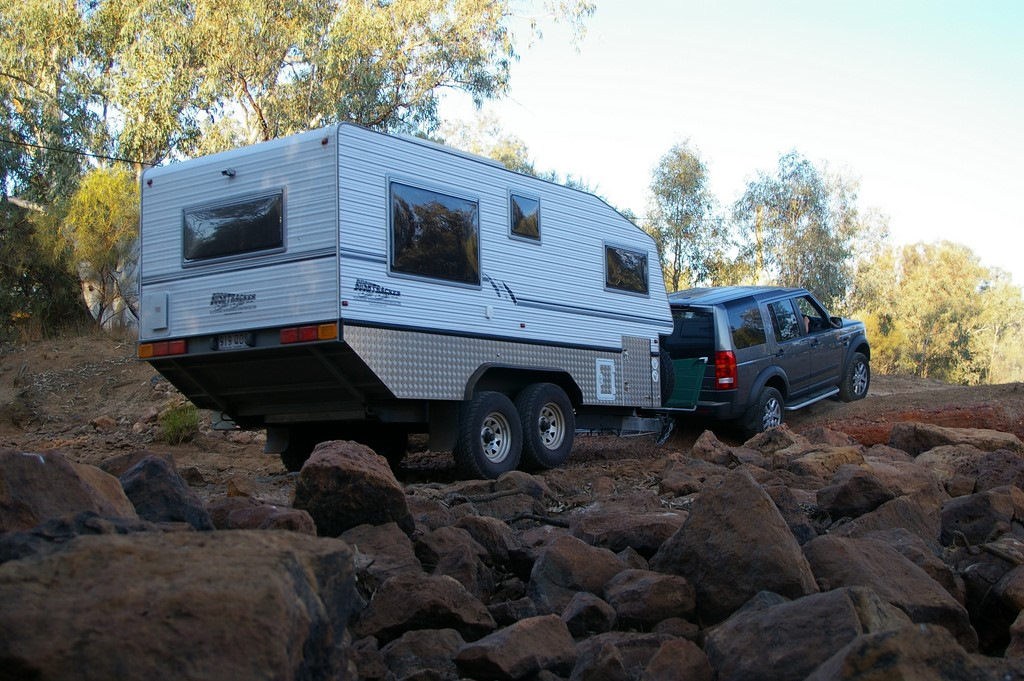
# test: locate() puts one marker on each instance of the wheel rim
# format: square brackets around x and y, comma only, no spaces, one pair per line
[495,437]
[860,378]
[772,413]
[551,425]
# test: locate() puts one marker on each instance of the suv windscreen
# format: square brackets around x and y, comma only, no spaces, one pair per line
[746,324]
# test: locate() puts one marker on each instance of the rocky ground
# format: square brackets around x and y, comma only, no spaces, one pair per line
[873,540]
[90,398]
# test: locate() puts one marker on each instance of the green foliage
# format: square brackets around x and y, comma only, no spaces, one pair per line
[933,311]
[94,230]
[692,241]
[179,424]
[38,295]
[797,228]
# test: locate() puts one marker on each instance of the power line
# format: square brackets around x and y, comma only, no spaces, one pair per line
[76,152]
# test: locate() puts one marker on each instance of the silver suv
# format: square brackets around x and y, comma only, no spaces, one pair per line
[747,354]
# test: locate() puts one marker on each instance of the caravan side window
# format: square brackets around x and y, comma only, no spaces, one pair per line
[625,270]
[242,226]
[525,217]
[434,235]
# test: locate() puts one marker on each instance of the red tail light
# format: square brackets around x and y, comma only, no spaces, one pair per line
[725,370]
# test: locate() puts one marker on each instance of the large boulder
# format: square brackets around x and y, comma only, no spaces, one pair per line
[161,495]
[567,566]
[178,605]
[794,637]
[917,438]
[843,561]
[734,544]
[520,651]
[37,487]
[344,484]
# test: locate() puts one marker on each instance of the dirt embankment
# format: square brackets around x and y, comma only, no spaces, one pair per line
[91,399]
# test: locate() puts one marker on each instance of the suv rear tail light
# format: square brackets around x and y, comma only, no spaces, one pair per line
[725,370]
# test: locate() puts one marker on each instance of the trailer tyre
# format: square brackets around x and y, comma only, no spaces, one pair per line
[548,423]
[668,377]
[490,437]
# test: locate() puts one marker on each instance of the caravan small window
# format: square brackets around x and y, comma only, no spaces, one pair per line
[525,216]
[625,270]
[434,235]
[251,224]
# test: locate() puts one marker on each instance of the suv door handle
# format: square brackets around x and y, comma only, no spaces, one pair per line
[780,353]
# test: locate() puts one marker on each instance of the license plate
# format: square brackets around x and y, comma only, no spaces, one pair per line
[232,341]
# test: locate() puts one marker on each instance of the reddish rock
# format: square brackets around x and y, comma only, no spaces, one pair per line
[616,529]
[911,652]
[734,544]
[37,487]
[709,448]
[794,637]
[982,517]
[917,438]
[873,564]
[587,614]
[242,604]
[853,492]
[161,495]
[678,659]
[567,566]
[409,601]
[417,653]
[642,598]
[520,651]
[344,484]
[381,551]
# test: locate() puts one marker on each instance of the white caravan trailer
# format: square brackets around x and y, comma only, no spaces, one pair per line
[344,283]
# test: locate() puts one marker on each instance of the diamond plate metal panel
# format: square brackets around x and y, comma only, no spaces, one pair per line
[417,365]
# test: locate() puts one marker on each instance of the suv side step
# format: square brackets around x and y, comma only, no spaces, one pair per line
[817,397]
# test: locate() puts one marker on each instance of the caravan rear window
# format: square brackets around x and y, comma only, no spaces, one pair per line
[251,224]
[434,235]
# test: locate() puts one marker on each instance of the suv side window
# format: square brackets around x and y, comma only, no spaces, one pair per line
[746,324]
[785,320]
[817,320]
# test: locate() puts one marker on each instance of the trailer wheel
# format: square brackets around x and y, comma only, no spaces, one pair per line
[549,425]
[490,437]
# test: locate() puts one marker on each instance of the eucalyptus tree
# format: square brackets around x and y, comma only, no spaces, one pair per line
[84,83]
[798,228]
[693,243]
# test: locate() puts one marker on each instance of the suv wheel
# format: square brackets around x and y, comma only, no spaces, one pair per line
[765,413]
[856,380]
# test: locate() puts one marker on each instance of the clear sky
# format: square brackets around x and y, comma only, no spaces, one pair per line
[923,101]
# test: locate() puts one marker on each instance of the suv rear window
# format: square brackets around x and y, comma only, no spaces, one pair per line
[693,334]
[746,324]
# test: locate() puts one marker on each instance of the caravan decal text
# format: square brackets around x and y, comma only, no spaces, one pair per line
[228,303]
[375,293]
